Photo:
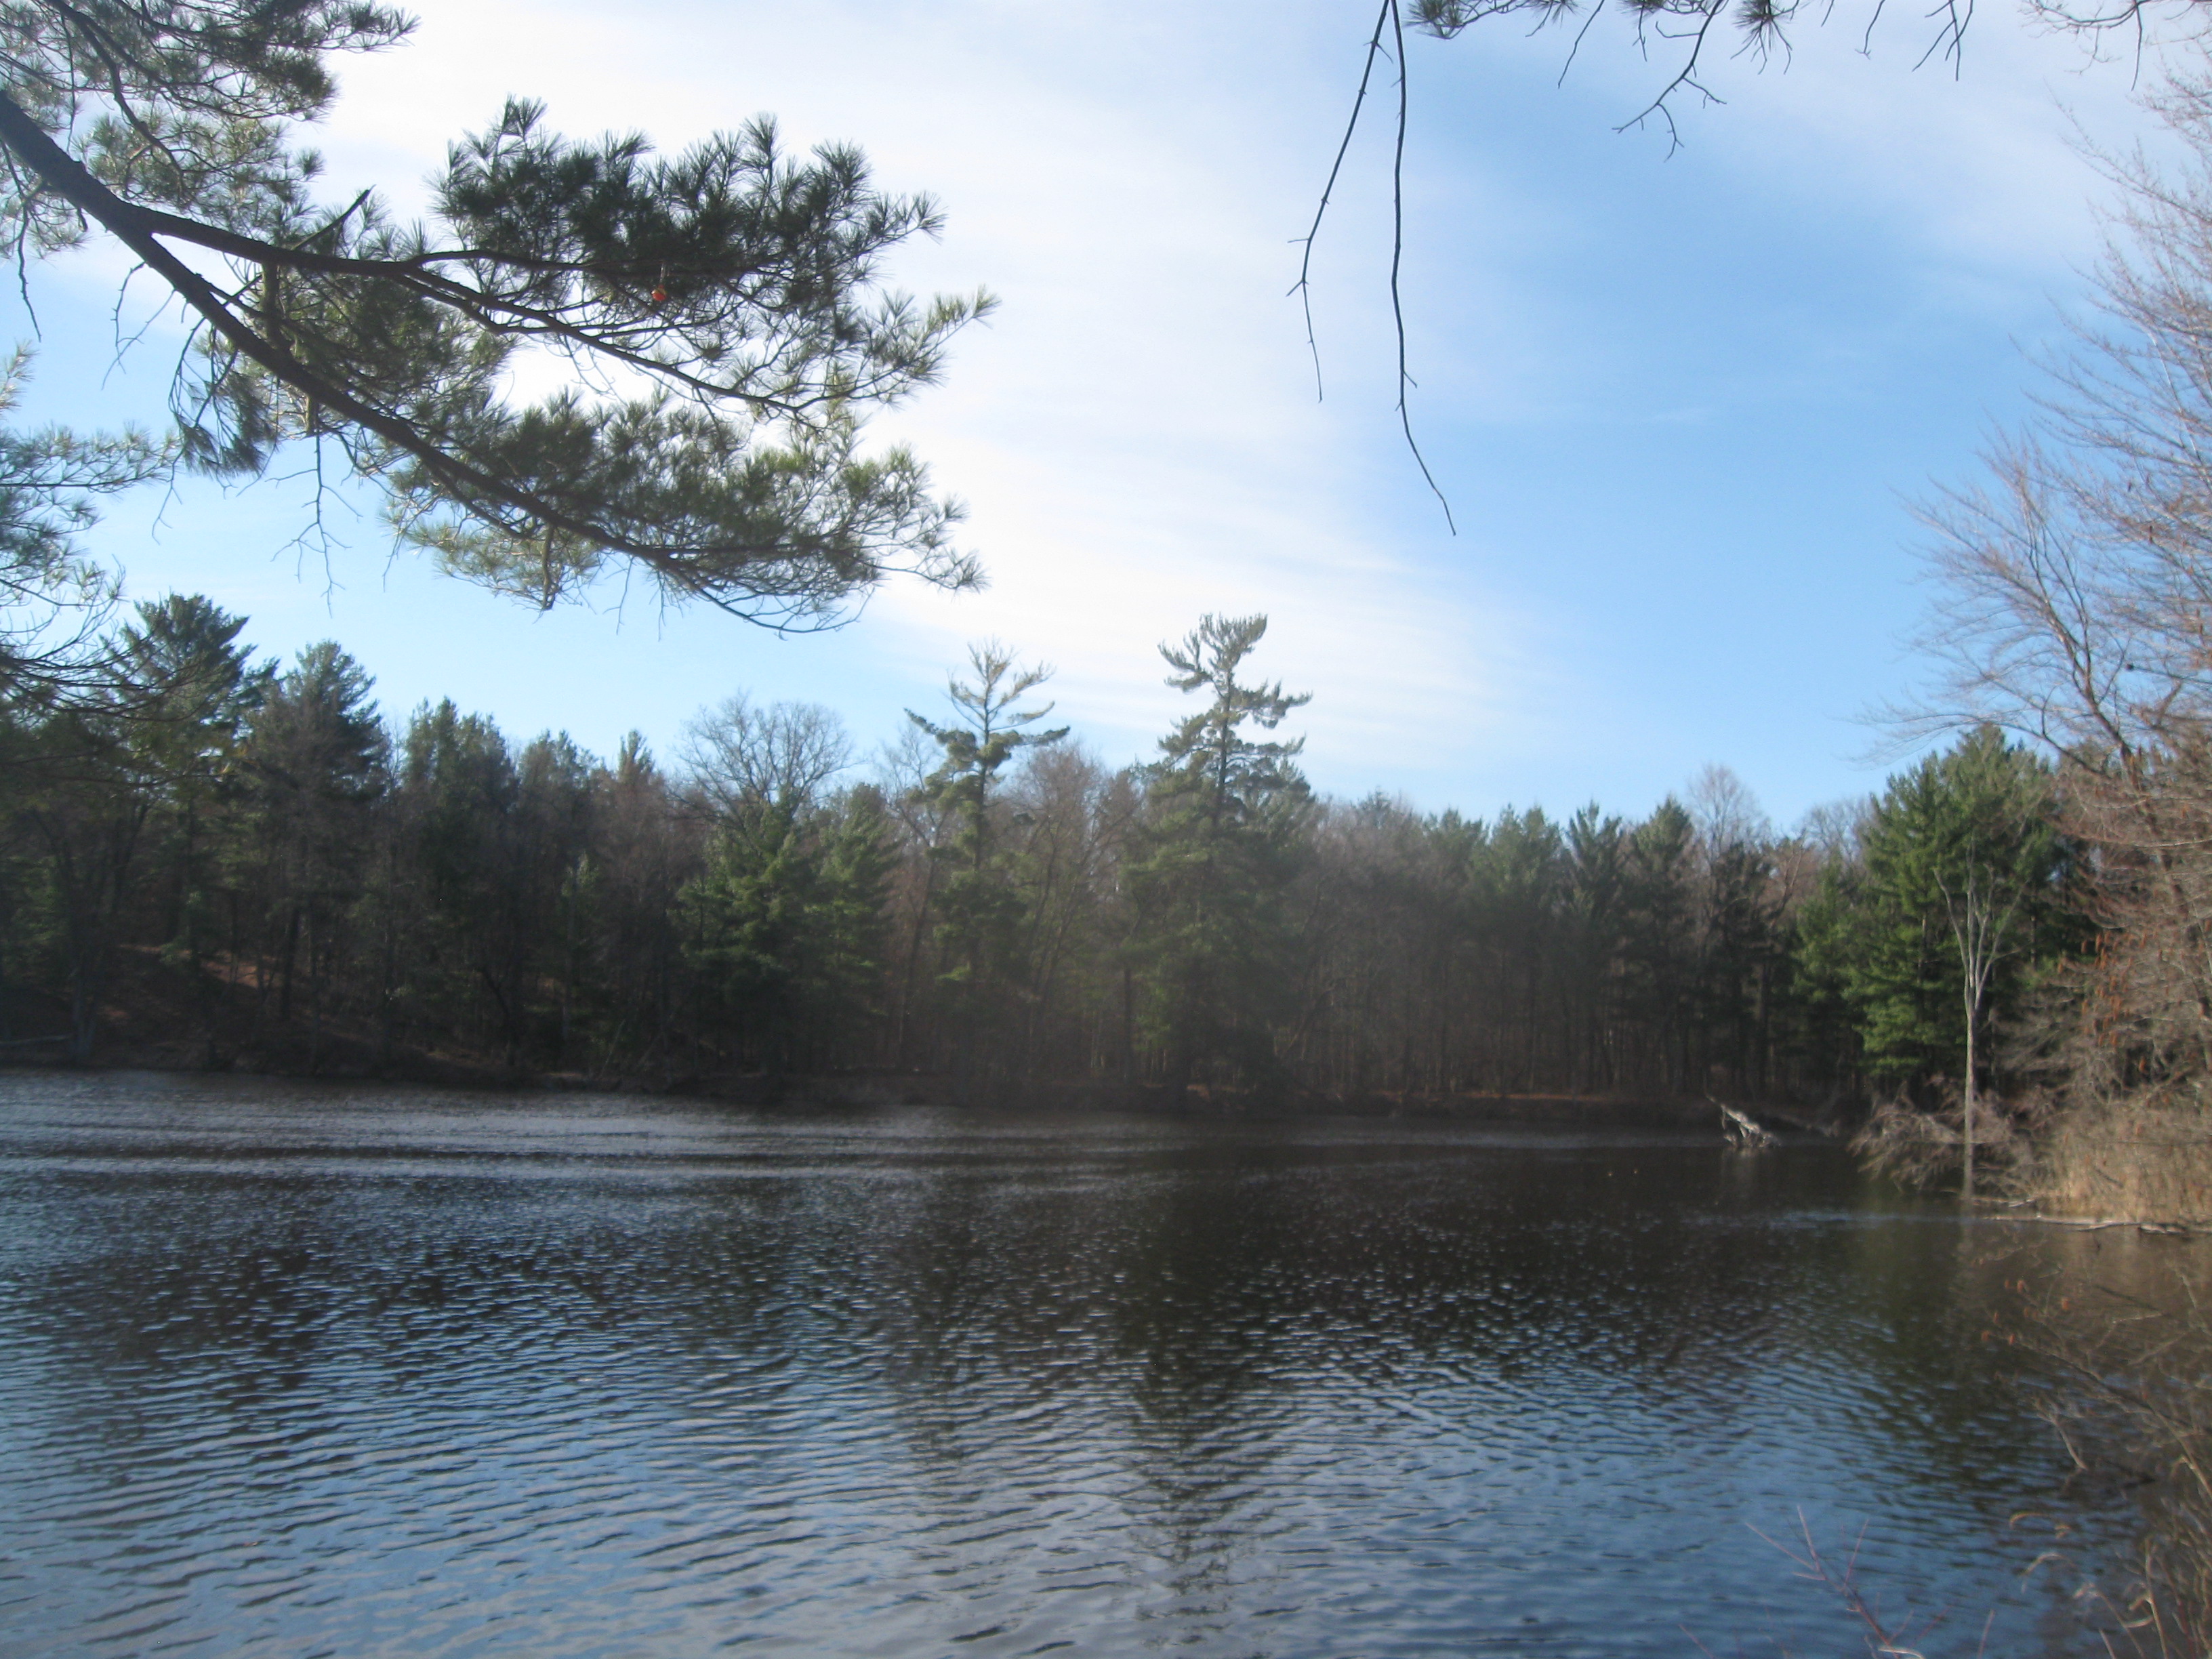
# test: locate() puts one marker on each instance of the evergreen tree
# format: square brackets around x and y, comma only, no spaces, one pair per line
[786,926]
[1519,874]
[1737,936]
[736,288]
[1198,919]
[83,809]
[1969,829]
[1068,827]
[53,602]
[553,837]
[648,847]
[463,911]
[849,946]
[1596,847]
[131,774]
[1214,859]
[316,764]
[1660,953]
[981,911]
[185,693]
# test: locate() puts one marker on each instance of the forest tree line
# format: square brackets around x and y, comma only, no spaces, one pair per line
[986,899]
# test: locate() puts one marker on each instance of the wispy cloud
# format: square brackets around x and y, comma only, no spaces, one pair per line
[1675,401]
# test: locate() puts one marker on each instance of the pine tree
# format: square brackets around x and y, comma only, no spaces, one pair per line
[115,781]
[786,926]
[464,912]
[1213,859]
[53,602]
[981,911]
[715,318]
[1957,899]
[316,764]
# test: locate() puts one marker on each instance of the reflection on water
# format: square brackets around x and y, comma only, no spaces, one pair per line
[335,1372]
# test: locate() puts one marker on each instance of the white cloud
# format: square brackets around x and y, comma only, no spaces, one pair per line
[1135,432]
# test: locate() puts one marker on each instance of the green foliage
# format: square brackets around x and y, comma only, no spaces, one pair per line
[187,691]
[786,924]
[1213,858]
[315,769]
[320,894]
[104,781]
[980,912]
[716,320]
[52,601]
[1881,935]
[184,692]
[315,746]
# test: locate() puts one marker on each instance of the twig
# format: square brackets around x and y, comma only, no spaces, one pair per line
[1387,16]
[1303,288]
[1397,253]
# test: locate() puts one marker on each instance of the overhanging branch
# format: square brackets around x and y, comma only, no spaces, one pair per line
[141,230]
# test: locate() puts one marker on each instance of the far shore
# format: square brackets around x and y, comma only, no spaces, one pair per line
[886,1087]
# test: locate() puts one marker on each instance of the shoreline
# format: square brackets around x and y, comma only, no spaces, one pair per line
[877,1088]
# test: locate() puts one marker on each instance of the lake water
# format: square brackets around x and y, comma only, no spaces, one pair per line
[300,1371]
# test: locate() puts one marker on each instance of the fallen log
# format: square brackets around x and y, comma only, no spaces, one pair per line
[1743,1131]
[2078,1224]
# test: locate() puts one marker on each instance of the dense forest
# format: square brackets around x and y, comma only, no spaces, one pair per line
[249,863]
[213,861]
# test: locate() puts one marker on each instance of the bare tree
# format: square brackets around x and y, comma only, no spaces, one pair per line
[1981,906]
[2076,608]
[740,754]
[1832,830]
[1726,812]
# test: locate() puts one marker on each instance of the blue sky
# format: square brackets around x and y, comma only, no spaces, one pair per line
[1681,402]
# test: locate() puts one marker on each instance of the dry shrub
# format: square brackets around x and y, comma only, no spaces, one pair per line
[2131,1158]
[2133,1404]
[1922,1148]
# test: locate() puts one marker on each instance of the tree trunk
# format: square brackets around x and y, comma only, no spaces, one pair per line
[1967,1189]
[290,957]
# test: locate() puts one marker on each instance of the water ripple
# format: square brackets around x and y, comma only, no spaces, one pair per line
[314,1372]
